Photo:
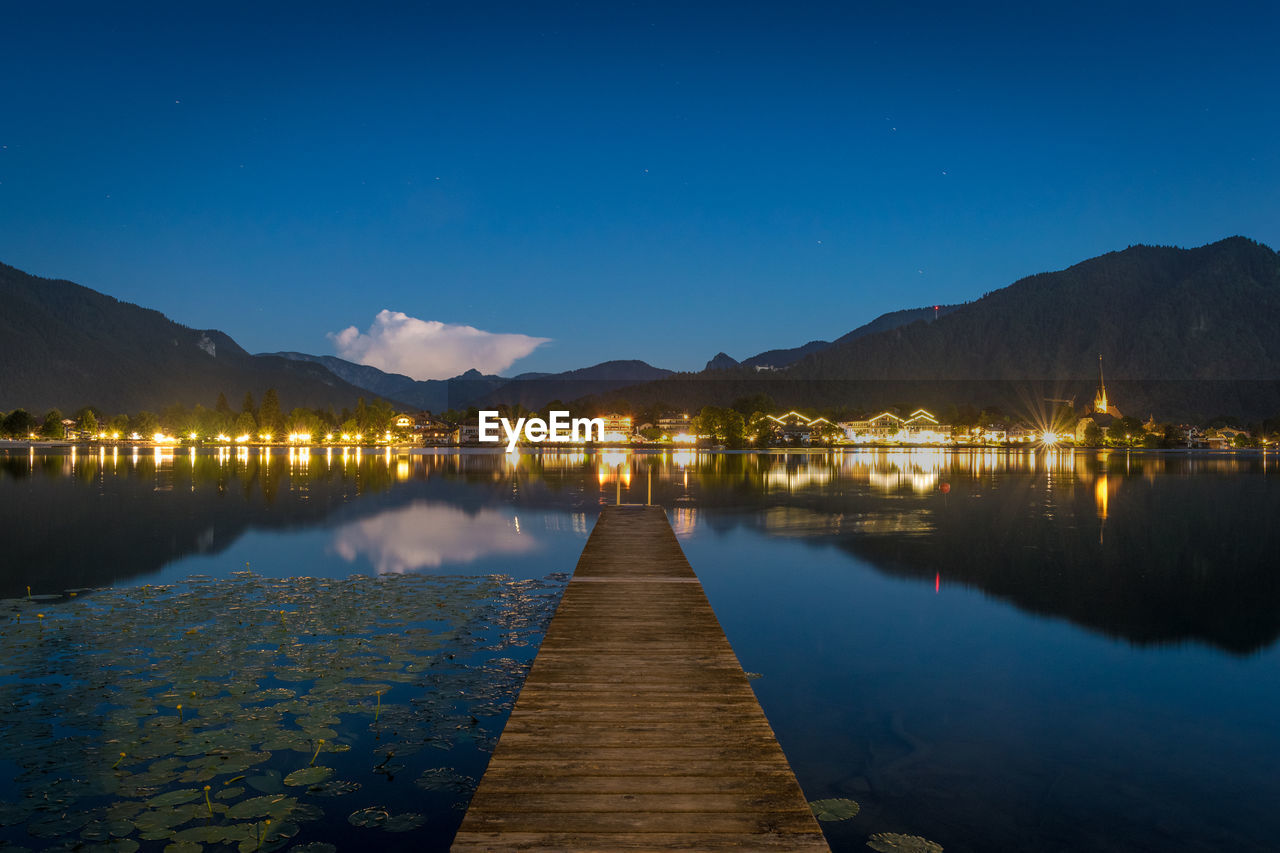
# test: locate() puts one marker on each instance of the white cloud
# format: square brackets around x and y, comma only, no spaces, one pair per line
[428,535]
[427,349]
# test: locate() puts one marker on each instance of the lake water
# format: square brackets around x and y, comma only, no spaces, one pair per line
[993,650]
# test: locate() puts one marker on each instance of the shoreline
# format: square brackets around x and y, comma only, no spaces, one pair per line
[530,449]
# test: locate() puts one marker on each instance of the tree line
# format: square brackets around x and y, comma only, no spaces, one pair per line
[264,420]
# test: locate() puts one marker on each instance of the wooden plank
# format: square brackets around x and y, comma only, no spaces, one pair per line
[636,728]
[635,842]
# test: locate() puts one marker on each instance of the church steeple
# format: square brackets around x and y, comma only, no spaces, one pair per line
[1100,401]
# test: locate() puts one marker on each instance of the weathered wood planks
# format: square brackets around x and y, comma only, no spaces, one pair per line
[636,728]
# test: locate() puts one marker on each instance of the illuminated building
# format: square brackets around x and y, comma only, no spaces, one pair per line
[883,427]
[797,428]
[672,425]
[616,427]
[920,427]
[425,427]
[1101,405]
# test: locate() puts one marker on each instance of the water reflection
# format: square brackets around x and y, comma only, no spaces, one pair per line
[1153,548]
[428,535]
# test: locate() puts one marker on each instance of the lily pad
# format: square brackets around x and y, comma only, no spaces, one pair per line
[268,783]
[370,817]
[173,798]
[308,776]
[99,734]
[835,809]
[334,788]
[254,807]
[183,847]
[403,822]
[445,779]
[892,842]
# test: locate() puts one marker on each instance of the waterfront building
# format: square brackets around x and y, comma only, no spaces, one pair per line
[468,432]
[424,427]
[923,428]
[883,427]
[674,426]
[920,427]
[432,430]
[797,428]
[617,427]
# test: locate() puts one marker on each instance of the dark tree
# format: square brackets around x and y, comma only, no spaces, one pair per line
[269,417]
[20,423]
[53,427]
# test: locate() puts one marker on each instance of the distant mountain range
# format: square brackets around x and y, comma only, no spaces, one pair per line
[1153,312]
[66,346]
[476,388]
[1183,332]
[775,359]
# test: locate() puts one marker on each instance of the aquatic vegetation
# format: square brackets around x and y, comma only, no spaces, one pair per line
[130,732]
[835,809]
[892,842]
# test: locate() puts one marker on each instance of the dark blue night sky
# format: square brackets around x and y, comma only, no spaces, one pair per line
[656,181]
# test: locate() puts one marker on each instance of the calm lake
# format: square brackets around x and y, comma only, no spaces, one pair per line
[993,650]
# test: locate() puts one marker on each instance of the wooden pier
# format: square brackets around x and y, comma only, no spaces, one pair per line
[636,728]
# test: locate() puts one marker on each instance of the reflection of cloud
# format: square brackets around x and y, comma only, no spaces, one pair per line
[427,349]
[426,535]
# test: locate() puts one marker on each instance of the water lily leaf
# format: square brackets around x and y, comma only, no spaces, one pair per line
[334,788]
[836,809]
[55,825]
[305,811]
[173,798]
[268,783]
[308,776]
[892,842]
[403,822]
[183,847]
[372,817]
[119,845]
[212,834]
[445,779]
[254,807]
[338,643]
[96,831]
